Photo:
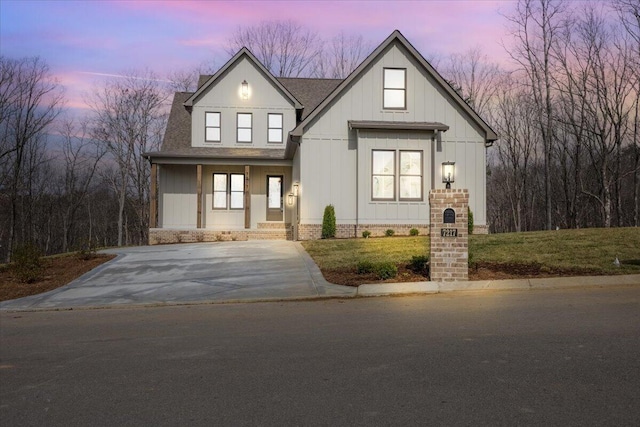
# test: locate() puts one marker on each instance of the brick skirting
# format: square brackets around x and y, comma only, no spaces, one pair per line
[160,236]
[343,231]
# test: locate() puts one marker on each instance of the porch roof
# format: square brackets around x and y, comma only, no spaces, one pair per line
[385,125]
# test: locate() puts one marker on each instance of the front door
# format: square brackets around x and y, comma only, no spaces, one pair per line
[274,197]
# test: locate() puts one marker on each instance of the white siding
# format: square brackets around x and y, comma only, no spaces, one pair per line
[225,97]
[328,149]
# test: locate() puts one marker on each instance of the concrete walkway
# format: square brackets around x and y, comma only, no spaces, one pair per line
[222,271]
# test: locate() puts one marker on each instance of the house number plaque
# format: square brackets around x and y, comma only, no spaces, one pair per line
[448,232]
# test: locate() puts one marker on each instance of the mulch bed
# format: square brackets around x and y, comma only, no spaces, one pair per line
[481,271]
[57,271]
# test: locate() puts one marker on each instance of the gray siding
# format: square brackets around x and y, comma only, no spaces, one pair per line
[328,149]
[177,197]
[224,97]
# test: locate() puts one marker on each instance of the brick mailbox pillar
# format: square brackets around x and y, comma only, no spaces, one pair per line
[449,235]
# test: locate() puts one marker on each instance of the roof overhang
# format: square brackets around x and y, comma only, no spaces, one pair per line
[383,125]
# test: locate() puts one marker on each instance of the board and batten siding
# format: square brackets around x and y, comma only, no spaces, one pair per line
[330,152]
[177,194]
[225,97]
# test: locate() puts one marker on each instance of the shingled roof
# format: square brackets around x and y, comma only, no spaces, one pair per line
[178,133]
[310,92]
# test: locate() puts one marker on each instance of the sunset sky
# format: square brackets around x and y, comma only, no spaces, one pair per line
[83,41]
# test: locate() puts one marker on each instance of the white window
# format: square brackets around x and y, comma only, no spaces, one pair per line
[395,88]
[386,178]
[410,175]
[228,191]
[244,127]
[383,177]
[219,191]
[212,127]
[275,127]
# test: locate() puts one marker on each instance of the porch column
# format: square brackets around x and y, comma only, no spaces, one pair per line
[153,208]
[247,197]
[199,195]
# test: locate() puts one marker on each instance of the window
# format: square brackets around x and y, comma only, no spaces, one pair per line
[244,127]
[228,191]
[275,127]
[383,175]
[395,86]
[410,175]
[212,127]
[219,191]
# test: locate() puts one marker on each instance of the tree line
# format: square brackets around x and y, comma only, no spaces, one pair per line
[566,109]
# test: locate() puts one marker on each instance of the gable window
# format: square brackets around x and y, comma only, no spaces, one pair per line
[395,88]
[228,191]
[410,175]
[275,127]
[244,127]
[383,168]
[211,127]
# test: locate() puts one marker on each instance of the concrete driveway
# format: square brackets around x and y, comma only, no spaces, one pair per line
[199,272]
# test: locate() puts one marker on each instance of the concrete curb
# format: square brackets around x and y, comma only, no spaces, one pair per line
[382,289]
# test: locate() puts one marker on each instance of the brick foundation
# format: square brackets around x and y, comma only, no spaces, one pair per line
[160,236]
[344,231]
[449,255]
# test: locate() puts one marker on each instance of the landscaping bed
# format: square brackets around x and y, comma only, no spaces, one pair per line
[57,271]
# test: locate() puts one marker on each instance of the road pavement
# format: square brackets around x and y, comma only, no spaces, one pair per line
[557,357]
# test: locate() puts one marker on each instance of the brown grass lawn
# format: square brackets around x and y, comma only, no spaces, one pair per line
[57,271]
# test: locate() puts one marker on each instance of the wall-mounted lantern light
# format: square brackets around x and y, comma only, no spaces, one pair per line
[245,90]
[290,199]
[448,173]
[296,189]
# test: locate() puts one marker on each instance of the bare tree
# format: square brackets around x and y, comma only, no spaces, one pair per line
[186,79]
[30,100]
[285,48]
[340,57]
[129,116]
[536,25]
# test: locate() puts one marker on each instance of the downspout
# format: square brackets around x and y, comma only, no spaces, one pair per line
[355,232]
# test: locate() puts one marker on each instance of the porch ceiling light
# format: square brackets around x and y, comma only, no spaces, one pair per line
[448,173]
[245,90]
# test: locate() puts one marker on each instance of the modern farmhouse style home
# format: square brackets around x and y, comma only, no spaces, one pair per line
[252,156]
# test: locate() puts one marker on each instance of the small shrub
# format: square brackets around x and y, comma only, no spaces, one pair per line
[470,220]
[414,232]
[389,232]
[419,263]
[86,252]
[27,264]
[329,222]
[366,234]
[364,267]
[386,270]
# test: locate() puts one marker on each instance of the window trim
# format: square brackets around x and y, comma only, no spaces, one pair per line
[238,128]
[219,127]
[384,88]
[227,191]
[377,199]
[281,128]
[400,175]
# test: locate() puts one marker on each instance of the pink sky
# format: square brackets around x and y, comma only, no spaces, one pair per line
[84,40]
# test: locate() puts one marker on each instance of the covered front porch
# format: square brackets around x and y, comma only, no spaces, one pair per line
[220,201]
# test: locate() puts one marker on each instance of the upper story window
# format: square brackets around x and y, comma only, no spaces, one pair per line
[211,127]
[275,127]
[244,127]
[395,88]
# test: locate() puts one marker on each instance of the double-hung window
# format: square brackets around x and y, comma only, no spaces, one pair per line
[383,182]
[211,127]
[244,127]
[228,191]
[389,177]
[274,127]
[394,88]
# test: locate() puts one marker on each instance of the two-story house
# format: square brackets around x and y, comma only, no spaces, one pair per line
[249,155]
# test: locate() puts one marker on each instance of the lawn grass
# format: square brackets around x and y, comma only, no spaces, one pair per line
[592,250]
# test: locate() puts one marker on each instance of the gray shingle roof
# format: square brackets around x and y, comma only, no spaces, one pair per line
[178,133]
[310,92]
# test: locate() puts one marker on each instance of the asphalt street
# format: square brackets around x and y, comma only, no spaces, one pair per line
[558,357]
